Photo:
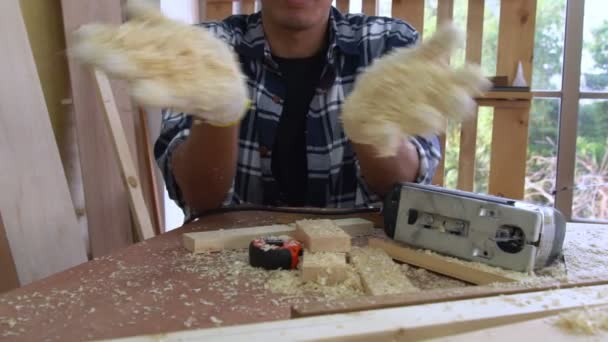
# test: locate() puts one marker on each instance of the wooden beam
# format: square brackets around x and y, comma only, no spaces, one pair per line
[445,13]
[411,11]
[322,307]
[412,323]
[438,264]
[218,10]
[38,215]
[106,198]
[140,213]
[369,7]
[510,126]
[216,240]
[468,130]
[343,5]
[147,172]
[9,279]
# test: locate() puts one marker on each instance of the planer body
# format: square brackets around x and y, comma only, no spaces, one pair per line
[497,231]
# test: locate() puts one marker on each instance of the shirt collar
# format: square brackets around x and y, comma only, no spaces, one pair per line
[255,45]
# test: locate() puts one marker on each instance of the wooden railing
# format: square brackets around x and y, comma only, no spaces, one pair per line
[511,109]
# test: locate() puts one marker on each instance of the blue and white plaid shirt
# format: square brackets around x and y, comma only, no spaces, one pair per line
[334,178]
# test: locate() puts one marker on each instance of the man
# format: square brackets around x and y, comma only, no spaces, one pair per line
[301,58]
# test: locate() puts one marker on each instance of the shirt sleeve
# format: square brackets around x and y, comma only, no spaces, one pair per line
[175,129]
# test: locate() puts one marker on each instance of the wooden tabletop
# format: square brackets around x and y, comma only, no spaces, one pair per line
[152,287]
[158,286]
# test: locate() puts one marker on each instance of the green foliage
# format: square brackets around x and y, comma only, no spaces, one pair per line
[599,51]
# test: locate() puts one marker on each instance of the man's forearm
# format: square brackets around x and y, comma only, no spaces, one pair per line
[381,173]
[205,164]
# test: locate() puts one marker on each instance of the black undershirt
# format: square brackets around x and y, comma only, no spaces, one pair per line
[289,164]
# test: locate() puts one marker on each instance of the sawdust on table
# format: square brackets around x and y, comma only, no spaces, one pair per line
[586,321]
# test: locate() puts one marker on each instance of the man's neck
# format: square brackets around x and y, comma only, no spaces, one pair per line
[295,43]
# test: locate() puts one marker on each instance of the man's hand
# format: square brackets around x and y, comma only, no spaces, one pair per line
[411,92]
[168,64]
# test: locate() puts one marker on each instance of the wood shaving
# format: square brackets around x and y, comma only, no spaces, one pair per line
[584,321]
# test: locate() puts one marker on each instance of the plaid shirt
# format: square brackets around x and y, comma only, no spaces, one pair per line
[334,178]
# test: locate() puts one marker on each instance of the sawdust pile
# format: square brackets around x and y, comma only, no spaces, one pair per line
[584,321]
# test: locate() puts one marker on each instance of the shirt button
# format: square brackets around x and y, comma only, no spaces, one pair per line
[276,99]
[264,151]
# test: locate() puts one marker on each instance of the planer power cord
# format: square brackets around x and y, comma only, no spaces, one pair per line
[293,210]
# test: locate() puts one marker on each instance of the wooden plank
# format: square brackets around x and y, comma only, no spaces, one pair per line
[411,11]
[106,198]
[438,264]
[141,216]
[379,274]
[147,172]
[9,279]
[468,129]
[218,10]
[502,103]
[319,308]
[216,240]
[411,323]
[35,203]
[541,329]
[445,13]
[248,6]
[510,126]
[509,152]
[569,108]
[369,7]
[343,5]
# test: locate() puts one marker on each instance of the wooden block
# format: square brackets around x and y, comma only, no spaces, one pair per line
[355,226]
[324,268]
[322,235]
[35,202]
[218,240]
[379,274]
[439,264]
[241,237]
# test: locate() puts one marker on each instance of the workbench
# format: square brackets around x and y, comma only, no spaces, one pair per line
[157,286]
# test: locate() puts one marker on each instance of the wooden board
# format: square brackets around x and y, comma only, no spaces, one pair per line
[412,11]
[431,296]
[106,199]
[468,130]
[131,179]
[412,323]
[438,264]
[240,238]
[35,204]
[9,279]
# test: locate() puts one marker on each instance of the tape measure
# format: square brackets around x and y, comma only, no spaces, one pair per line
[275,253]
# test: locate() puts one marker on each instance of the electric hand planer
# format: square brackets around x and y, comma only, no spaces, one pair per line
[497,231]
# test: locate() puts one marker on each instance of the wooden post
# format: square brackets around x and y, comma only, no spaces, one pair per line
[411,11]
[445,13]
[248,6]
[38,217]
[510,127]
[218,9]
[343,5]
[468,131]
[369,7]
